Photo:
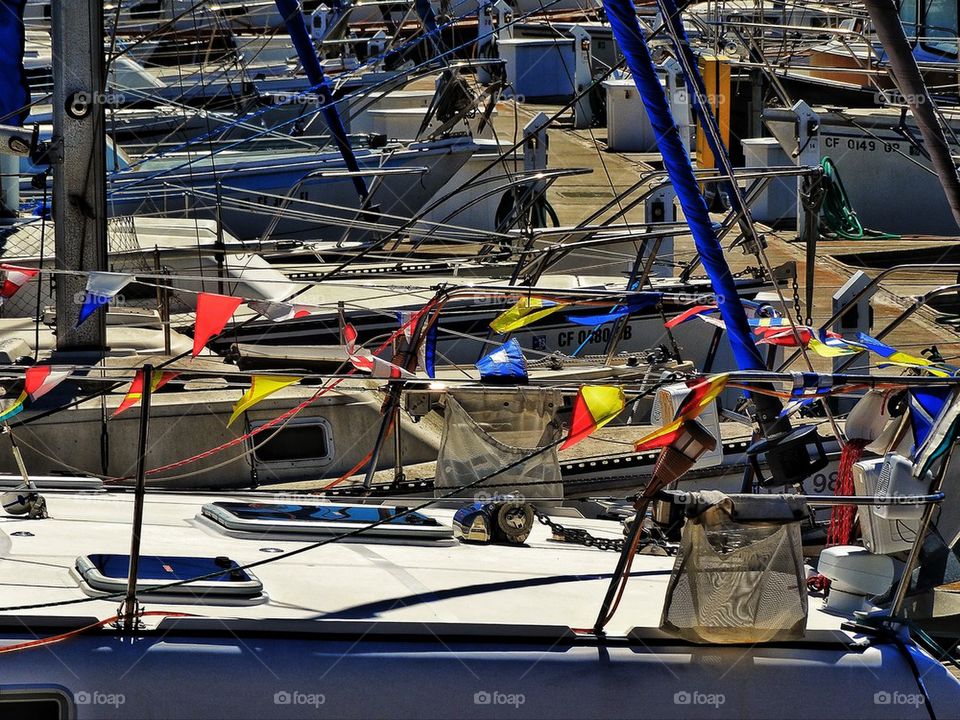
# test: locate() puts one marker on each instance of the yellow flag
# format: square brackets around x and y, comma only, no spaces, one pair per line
[526,311]
[261,386]
[595,406]
[831,351]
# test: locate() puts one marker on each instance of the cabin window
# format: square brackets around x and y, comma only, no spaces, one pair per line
[299,441]
[32,703]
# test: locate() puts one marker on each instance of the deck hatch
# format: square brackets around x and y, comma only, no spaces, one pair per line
[322,519]
[108,573]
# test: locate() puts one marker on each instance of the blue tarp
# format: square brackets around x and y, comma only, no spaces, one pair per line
[626,30]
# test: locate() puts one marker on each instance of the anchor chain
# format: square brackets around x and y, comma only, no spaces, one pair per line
[578,536]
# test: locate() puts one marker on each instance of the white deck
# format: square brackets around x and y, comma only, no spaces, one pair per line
[544,583]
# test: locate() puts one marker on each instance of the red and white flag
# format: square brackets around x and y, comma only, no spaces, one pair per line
[15,277]
[350,338]
[375,366]
[380,368]
[41,379]
[278,312]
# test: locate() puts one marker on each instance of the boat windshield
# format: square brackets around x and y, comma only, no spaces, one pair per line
[933,23]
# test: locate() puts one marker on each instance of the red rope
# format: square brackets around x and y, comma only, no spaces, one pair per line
[42,642]
[293,411]
[840,531]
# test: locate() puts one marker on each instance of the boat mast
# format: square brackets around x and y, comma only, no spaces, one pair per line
[79,165]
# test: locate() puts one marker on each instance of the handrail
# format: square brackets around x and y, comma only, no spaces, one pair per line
[874,282]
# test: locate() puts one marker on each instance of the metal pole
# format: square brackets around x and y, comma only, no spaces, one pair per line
[163,301]
[130,603]
[79,165]
[18,457]
[393,400]
[398,476]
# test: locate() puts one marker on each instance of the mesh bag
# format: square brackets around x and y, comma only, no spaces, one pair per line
[737,582]
[476,444]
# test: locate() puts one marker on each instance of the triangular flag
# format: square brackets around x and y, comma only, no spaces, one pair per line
[350,338]
[704,312]
[634,303]
[102,287]
[278,312]
[407,320]
[430,349]
[14,409]
[701,394]
[505,362]
[690,313]
[659,438]
[261,386]
[213,313]
[380,368]
[526,311]
[41,379]
[158,378]
[15,277]
[925,406]
[901,358]
[595,406]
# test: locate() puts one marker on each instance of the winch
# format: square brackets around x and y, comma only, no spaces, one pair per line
[507,520]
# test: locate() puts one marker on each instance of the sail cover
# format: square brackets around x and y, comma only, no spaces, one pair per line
[623,20]
[14,90]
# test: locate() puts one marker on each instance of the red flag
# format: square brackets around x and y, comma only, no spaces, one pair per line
[213,313]
[158,379]
[689,313]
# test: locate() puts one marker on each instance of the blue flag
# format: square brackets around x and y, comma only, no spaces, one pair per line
[926,404]
[506,362]
[430,350]
[633,304]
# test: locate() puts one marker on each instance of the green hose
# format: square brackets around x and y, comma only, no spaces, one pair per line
[838,219]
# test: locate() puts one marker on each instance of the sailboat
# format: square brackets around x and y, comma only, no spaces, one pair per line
[251,605]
